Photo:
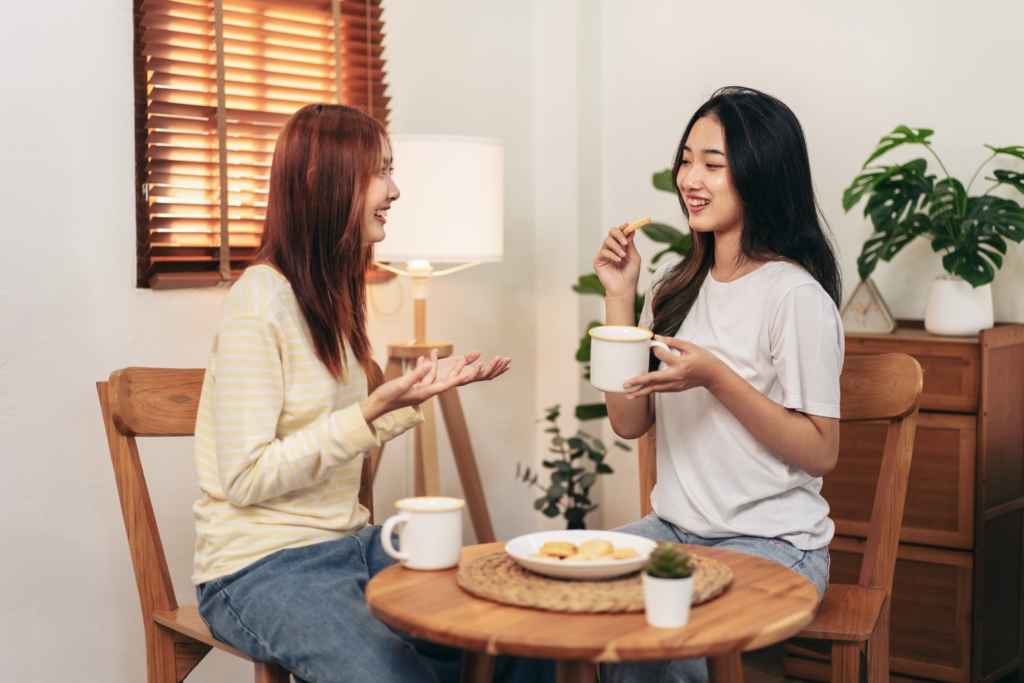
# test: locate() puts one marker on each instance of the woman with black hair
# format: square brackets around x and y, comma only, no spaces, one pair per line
[747,403]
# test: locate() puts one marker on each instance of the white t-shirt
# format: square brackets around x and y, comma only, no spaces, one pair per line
[778,329]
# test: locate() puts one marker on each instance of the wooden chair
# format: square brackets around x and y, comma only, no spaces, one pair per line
[164,402]
[854,619]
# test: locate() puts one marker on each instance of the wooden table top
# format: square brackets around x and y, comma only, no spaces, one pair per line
[765,604]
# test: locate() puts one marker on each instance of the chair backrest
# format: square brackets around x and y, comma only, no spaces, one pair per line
[880,387]
[160,402]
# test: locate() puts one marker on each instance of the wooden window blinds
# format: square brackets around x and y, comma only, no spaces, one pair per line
[214,82]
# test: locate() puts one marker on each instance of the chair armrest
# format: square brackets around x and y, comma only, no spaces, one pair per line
[846,613]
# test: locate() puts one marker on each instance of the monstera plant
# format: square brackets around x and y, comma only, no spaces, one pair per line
[904,202]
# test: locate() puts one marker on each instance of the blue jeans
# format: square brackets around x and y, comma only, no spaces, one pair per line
[812,564]
[305,609]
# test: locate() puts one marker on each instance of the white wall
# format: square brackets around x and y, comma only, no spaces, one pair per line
[589,97]
[69,314]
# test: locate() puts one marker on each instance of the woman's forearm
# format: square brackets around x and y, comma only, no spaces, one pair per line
[809,442]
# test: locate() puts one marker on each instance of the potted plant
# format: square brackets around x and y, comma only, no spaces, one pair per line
[568,493]
[668,586]
[905,202]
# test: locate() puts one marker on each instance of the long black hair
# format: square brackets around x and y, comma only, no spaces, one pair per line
[771,172]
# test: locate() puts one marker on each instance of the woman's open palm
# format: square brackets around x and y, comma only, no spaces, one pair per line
[428,379]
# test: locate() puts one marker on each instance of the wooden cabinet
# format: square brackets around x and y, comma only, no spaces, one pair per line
[957,602]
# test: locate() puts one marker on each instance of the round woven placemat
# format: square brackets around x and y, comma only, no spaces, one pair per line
[499,578]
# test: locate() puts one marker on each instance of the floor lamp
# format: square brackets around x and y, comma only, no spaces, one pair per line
[451,211]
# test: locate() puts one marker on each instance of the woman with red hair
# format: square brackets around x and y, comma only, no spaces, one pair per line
[284,549]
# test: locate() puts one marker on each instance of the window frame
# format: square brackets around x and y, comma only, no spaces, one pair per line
[356,26]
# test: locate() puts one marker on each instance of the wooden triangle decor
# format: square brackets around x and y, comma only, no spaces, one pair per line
[865,312]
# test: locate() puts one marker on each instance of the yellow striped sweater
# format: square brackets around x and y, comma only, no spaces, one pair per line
[279,442]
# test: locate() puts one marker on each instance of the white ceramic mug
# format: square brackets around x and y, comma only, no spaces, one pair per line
[429,533]
[619,353]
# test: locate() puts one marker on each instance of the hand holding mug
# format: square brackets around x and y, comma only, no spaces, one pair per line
[618,353]
[686,366]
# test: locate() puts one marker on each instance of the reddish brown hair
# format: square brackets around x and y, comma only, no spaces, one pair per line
[323,162]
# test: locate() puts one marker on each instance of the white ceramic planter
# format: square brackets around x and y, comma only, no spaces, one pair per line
[957,309]
[667,601]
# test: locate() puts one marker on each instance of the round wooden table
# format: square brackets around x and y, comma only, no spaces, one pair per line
[766,603]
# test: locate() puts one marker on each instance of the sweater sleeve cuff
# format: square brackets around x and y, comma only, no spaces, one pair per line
[351,434]
[397,422]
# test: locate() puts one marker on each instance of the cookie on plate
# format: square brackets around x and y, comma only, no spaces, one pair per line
[583,557]
[559,549]
[596,546]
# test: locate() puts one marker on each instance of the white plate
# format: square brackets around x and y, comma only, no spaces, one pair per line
[522,547]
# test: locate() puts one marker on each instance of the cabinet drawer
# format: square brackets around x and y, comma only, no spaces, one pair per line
[930,618]
[950,368]
[940,490]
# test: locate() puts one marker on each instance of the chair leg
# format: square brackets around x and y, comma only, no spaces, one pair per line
[878,649]
[271,673]
[845,662]
[160,659]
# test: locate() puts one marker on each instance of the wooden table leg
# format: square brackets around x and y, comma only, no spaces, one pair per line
[727,668]
[576,671]
[477,667]
[393,370]
[427,469]
[465,461]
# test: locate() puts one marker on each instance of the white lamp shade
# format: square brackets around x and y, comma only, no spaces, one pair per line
[452,204]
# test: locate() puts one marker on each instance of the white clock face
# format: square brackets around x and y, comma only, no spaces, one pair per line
[864,313]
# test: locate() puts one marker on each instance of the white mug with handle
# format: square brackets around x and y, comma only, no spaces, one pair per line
[619,353]
[429,532]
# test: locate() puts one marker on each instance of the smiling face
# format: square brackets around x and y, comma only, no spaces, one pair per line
[705,181]
[379,195]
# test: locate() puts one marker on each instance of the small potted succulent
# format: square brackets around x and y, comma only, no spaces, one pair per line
[668,586]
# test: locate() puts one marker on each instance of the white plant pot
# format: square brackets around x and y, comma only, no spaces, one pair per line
[667,601]
[957,309]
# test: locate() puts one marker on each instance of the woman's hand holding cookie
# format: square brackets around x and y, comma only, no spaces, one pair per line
[617,263]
